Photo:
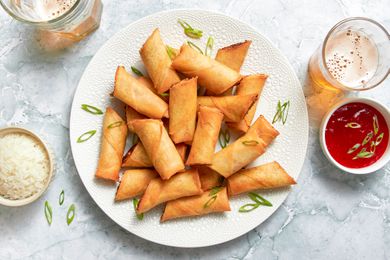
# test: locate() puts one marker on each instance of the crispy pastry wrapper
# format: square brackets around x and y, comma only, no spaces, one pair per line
[137,157]
[136,95]
[196,205]
[159,191]
[206,136]
[157,63]
[134,183]
[182,110]
[131,115]
[252,84]
[209,178]
[245,149]
[211,74]
[112,146]
[234,55]
[233,107]
[159,147]
[266,176]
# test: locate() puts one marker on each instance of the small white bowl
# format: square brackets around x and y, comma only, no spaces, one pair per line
[375,104]
[25,201]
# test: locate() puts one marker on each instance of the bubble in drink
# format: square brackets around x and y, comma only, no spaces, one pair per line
[351,58]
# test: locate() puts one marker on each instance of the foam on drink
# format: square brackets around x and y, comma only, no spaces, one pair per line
[44,10]
[351,58]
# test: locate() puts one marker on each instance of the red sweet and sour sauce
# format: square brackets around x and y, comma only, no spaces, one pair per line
[356,135]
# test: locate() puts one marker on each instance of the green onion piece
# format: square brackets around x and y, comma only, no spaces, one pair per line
[215,190]
[278,112]
[372,147]
[86,136]
[353,125]
[286,108]
[135,205]
[209,46]
[115,124]
[226,136]
[210,201]
[171,52]
[259,199]
[363,154]
[136,71]
[48,213]
[248,207]
[61,198]
[91,109]
[375,124]
[367,138]
[134,139]
[71,214]
[250,143]
[189,31]
[353,148]
[379,139]
[194,46]
[164,94]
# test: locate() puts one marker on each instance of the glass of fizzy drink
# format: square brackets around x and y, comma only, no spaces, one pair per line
[72,19]
[354,56]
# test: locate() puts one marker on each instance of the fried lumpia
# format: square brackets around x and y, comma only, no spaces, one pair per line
[137,157]
[266,176]
[206,136]
[212,74]
[233,107]
[157,63]
[252,84]
[135,94]
[131,115]
[134,183]
[158,191]
[245,149]
[234,55]
[209,178]
[196,205]
[182,110]
[159,147]
[112,146]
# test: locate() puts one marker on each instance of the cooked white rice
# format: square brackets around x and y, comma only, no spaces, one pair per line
[24,166]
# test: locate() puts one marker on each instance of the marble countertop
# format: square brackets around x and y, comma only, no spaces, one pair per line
[327,215]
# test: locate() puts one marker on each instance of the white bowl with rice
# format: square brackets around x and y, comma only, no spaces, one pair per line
[26,167]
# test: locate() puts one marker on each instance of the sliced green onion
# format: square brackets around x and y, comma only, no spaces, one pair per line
[248,207]
[164,94]
[353,148]
[363,154]
[367,138]
[61,198]
[171,52]
[224,138]
[379,139]
[285,111]
[71,214]
[136,71]
[277,114]
[91,109]
[372,147]
[135,205]
[194,46]
[115,124]
[189,31]
[226,135]
[48,213]
[209,46]
[353,125]
[86,136]
[375,124]
[250,143]
[259,199]
[215,190]
[281,112]
[210,201]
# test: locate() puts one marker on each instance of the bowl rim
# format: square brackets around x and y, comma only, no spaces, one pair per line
[369,101]
[21,202]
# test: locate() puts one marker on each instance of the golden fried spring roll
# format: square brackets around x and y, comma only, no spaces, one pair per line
[137,157]
[233,107]
[245,149]
[157,63]
[196,205]
[131,115]
[134,183]
[206,136]
[135,94]
[158,191]
[182,110]
[266,176]
[159,147]
[252,84]
[234,55]
[112,146]
[147,83]
[182,150]
[209,178]
[212,74]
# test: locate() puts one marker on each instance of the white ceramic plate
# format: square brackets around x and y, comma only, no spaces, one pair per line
[96,84]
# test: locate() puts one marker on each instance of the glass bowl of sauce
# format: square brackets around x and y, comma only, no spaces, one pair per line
[354,135]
